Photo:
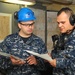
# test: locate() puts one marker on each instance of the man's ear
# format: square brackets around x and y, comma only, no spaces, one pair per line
[19,25]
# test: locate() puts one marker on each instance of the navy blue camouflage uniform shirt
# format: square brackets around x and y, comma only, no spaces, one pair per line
[14,44]
[65,59]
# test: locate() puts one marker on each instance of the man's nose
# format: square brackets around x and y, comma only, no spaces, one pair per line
[59,25]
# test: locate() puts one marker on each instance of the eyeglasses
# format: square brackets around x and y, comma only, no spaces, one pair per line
[27,24]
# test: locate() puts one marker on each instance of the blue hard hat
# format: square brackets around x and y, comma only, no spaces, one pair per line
[26,14]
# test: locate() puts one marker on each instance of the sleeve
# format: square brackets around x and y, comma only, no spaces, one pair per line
[41,62]
[4,61]
[66,58]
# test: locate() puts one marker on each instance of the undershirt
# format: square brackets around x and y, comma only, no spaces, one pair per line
[25,39]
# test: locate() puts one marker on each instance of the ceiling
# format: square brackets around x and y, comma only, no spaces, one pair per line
[70,2]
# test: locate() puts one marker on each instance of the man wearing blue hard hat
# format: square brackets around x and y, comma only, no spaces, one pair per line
[16,44]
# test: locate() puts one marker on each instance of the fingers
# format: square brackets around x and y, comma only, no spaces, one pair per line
[16,61]
[31,60]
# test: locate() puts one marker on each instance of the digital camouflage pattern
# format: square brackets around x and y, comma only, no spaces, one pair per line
[65,59]
[14,45]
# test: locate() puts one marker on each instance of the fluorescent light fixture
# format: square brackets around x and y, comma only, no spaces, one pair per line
[23,2]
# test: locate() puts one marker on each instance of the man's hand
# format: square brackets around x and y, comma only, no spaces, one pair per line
[31,60]
[16,61]
[53,61]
